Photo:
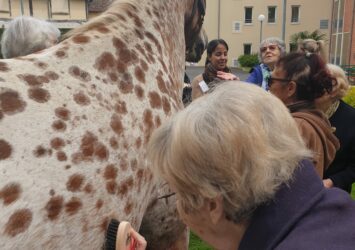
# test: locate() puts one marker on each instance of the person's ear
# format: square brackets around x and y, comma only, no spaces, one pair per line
[216,209]
[291,88]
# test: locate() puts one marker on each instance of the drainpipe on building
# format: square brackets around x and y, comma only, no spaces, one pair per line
[331,33]
[336,36]
[284,20]
[342,38]
[31,7]
[22,11]
[351,36]
[219,20]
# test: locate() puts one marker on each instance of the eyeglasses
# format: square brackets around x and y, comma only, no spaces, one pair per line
[270,47]
[270,80]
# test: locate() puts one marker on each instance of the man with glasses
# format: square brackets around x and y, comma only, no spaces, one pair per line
[271,49]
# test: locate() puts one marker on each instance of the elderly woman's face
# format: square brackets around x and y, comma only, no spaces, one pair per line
[270,53]
[219,57]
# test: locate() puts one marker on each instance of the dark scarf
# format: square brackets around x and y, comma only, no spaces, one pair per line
[210,74]
[301,106]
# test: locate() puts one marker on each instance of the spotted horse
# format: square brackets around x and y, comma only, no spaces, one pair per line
[75,120]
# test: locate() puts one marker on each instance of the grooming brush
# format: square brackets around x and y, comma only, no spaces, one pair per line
[118,236]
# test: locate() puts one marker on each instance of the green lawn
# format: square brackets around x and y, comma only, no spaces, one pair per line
[197,244]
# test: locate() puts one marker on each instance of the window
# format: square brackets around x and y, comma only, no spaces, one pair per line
[60,7]
[271,14]
[236,27]
[5,6]
[295,14]
[247,48]
[324,24]
[338,24]
[248,17]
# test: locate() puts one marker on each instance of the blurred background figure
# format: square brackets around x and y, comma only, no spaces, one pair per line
[341,172]
[271,49]
[313,46]
[216,61]
[26,35]
[298,80]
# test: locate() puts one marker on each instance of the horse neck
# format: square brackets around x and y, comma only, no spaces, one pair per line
[153,30]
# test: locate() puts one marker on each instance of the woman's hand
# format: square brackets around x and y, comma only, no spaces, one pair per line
[139,243]
[328,183]
[227,76]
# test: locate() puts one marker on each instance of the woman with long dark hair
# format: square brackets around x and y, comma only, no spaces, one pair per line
[216,61]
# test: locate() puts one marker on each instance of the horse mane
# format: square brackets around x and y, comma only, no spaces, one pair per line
[111,15]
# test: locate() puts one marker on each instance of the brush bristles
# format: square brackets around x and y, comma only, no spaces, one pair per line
[111,234]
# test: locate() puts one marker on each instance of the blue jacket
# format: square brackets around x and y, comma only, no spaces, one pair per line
[303,215]
[256,75]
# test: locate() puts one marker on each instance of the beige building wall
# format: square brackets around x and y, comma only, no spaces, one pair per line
[223,16]
[63,13]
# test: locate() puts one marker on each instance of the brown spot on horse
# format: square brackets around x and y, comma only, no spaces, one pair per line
[39,95]
[54,206]
[73,206]
[11,102]
[62,113]
[81,99]
[18,222]
[5,150]
[75,182]
[4,67]
[10,193]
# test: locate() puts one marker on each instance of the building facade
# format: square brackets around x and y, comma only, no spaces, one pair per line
[238,22]
[342,42]
[65,14]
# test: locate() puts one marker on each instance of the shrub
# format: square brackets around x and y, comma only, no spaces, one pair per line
[248,60]
[350,97]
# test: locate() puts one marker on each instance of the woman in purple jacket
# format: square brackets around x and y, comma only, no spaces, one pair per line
[242,178]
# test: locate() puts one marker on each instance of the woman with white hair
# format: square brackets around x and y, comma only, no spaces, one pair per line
[341,172]
[242,177]
[26,35]
[271,49]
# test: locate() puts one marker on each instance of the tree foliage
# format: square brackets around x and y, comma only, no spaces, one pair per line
[316,35]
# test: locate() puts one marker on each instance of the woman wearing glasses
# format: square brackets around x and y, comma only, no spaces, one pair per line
[271,49]
[298,79]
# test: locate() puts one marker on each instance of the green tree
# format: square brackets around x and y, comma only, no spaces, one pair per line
[316,35]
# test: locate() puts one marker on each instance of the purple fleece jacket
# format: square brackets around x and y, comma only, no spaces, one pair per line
[303,215]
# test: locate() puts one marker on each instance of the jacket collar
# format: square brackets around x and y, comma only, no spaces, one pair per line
[271,222]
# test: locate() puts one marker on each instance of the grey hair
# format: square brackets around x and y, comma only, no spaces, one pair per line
[228,143]
[273,40]
[25,35]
